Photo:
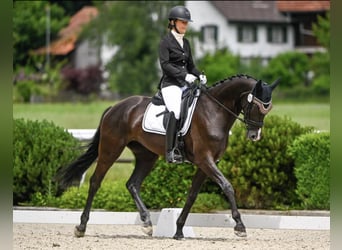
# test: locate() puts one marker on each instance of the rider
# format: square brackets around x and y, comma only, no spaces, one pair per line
[178,71]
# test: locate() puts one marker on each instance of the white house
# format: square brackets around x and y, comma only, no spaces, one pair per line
[251,28]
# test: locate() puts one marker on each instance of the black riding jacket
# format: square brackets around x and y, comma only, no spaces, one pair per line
[175,61]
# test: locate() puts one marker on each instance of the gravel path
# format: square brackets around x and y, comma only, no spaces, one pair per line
[122,237]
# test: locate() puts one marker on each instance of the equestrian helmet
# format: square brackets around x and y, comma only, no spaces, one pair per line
[180,13]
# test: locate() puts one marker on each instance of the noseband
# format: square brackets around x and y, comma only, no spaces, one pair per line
[264,107]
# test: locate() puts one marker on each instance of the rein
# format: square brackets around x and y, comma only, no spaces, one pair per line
[204,89]
[251,100]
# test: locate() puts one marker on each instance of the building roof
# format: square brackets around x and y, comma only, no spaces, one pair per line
[303,6]
[68,35]
[250,11]
[82,17]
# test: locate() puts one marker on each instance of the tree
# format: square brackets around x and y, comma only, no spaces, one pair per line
[29,28]
[71,7]
[321,60]
[292,67]
[219,65]
[135,27]
[321,30]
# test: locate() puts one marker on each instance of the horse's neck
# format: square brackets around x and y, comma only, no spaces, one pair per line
[230,91]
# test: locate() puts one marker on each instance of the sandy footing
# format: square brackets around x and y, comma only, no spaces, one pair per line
[122,237]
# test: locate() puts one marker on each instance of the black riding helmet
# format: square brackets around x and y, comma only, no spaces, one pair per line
[180,13]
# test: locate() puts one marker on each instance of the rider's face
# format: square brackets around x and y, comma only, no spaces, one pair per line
[181,26]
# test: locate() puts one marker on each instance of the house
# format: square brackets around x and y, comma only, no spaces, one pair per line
[248,28]
[303,15]
[255,28]
[82,52]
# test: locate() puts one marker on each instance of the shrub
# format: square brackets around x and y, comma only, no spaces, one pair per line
[311,154]
[112,196]
[291,66]
[262,172]
[83,81]
[167,185]
[40,147]
[25,90]
[219,65]
[207,202]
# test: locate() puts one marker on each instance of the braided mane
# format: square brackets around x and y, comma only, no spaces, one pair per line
[239,76]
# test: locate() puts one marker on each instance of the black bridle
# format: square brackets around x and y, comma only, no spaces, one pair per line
[263,107]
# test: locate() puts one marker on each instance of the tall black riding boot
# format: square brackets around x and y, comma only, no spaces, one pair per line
[172,153]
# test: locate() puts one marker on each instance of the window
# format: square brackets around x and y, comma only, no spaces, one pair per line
[276,34]
[209,34]
[247,34]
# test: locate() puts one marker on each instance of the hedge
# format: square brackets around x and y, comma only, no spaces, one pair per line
[40,147]
[311,154]
[262,172]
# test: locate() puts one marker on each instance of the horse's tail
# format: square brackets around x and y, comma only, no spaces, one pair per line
[72,173]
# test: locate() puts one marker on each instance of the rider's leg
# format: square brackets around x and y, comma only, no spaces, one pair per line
[172,96]
[172,154]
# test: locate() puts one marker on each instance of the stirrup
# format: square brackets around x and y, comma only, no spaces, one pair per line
[174,156]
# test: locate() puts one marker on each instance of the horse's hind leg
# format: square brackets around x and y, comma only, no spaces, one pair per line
[107,155]
[144,163]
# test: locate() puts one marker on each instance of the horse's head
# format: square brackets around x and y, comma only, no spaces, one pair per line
[256,104]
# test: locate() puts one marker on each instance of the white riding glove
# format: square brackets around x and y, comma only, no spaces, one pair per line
[190,78]
[203,79]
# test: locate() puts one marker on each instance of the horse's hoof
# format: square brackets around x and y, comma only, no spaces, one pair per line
[178,237]
[147,230]
[78,233]
[240,233]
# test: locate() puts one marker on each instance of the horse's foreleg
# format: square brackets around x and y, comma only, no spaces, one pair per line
[197,182]
[215,174]
[143,166]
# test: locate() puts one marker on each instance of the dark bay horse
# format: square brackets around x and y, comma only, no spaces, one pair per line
[217,109]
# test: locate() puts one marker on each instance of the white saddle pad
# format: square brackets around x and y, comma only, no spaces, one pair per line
[153,124]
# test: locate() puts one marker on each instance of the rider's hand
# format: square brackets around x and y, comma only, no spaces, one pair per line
[203,79]
[190,78]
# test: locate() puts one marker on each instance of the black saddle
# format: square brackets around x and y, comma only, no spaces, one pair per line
[187,99]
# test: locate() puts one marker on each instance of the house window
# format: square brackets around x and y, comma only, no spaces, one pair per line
[209,34]
[276,34]
[247,33]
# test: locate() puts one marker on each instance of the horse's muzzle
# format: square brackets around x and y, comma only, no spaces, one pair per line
[254,134]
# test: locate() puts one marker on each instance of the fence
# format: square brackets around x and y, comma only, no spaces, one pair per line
[87,134]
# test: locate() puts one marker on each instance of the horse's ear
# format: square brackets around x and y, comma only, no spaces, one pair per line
[258,84]
[275,84]
[258,88]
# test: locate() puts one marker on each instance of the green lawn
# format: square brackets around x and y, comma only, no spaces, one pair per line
[306,114]
[87,115]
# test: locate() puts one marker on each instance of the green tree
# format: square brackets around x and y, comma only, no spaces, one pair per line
[135,27]
[292,67]
[219,65]
[321,30]
[29,28]
[320,62]
[71,7]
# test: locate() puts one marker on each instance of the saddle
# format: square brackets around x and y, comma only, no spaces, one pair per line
[188,97]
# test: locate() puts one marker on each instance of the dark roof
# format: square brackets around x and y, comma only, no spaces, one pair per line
[250,11]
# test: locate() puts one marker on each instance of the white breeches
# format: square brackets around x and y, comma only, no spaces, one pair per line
[172,96]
